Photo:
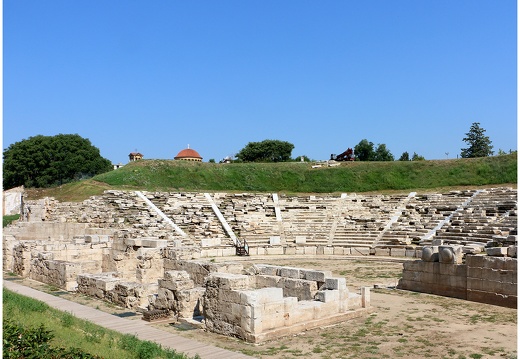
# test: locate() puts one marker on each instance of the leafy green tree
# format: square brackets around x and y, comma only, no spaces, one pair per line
[417,157]
[405,157]
[44,161]
[266,151]
[364,150]
[382,153]
[479,144]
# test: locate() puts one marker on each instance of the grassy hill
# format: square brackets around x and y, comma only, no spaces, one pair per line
[293,177]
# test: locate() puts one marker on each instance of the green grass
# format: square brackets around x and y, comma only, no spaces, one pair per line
[7,220]
[72,332]
[294,177]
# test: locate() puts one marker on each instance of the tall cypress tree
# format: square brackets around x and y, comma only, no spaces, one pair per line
[479,144]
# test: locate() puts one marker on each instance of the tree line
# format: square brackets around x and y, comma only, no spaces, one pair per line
[479,145]
[46,161]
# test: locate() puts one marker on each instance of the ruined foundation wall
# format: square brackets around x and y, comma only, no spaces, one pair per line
[492,280]
[484,279]
[239,305]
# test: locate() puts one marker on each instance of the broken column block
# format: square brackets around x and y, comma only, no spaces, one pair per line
[430,254]
[450,254]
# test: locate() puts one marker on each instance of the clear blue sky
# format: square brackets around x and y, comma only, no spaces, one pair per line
[155,76]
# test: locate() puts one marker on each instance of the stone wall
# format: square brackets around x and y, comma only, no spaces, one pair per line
[110,287]
[481,278]
[12,201]
[274,301]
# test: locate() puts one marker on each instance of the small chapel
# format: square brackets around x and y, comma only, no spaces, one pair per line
[188,154]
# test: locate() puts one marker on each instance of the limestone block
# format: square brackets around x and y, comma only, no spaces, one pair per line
[266,269]
[273,308]
[229,296]
[450,254]
[78,240]
[300,240]
[253,251]
[327,296]
[289,272]
[211,252]
[449,269]
[92,239]
[106,284]
[354,301]
[274,250]
[176,275]
[336,283]
[274,240]
[304,312]
[267,295]
[328,250]
[339,251]
[154,243]
[410,252]
[264,281]
[511,251]
[227,252]
[472,249]
[498,275]
[181,284]
[437,242]
[290,304]
[210,242]
[360,251]
[454,281]
[71,286]
[310,251]
[255,298]
[318,276]
[382,251]
[45,256]
[290,250]
[497,251]
[430,254]
[398,252]
[228,281]
[300,251]
[365,297]
[137,242]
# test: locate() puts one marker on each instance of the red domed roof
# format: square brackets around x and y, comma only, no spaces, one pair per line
[187,153]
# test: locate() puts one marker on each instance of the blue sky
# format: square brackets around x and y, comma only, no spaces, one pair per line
[155,76]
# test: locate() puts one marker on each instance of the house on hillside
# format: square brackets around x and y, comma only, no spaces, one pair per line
[135,156]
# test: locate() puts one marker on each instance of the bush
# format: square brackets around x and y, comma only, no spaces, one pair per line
[33,343]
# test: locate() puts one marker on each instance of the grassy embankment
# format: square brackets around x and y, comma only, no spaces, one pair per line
[294,177]
[72,332]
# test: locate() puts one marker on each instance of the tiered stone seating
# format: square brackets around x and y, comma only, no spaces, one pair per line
[363,218]
[251,216]
[192,213]
[423,213]
[326,221]
[115,210]
[491,213]
[307,220]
